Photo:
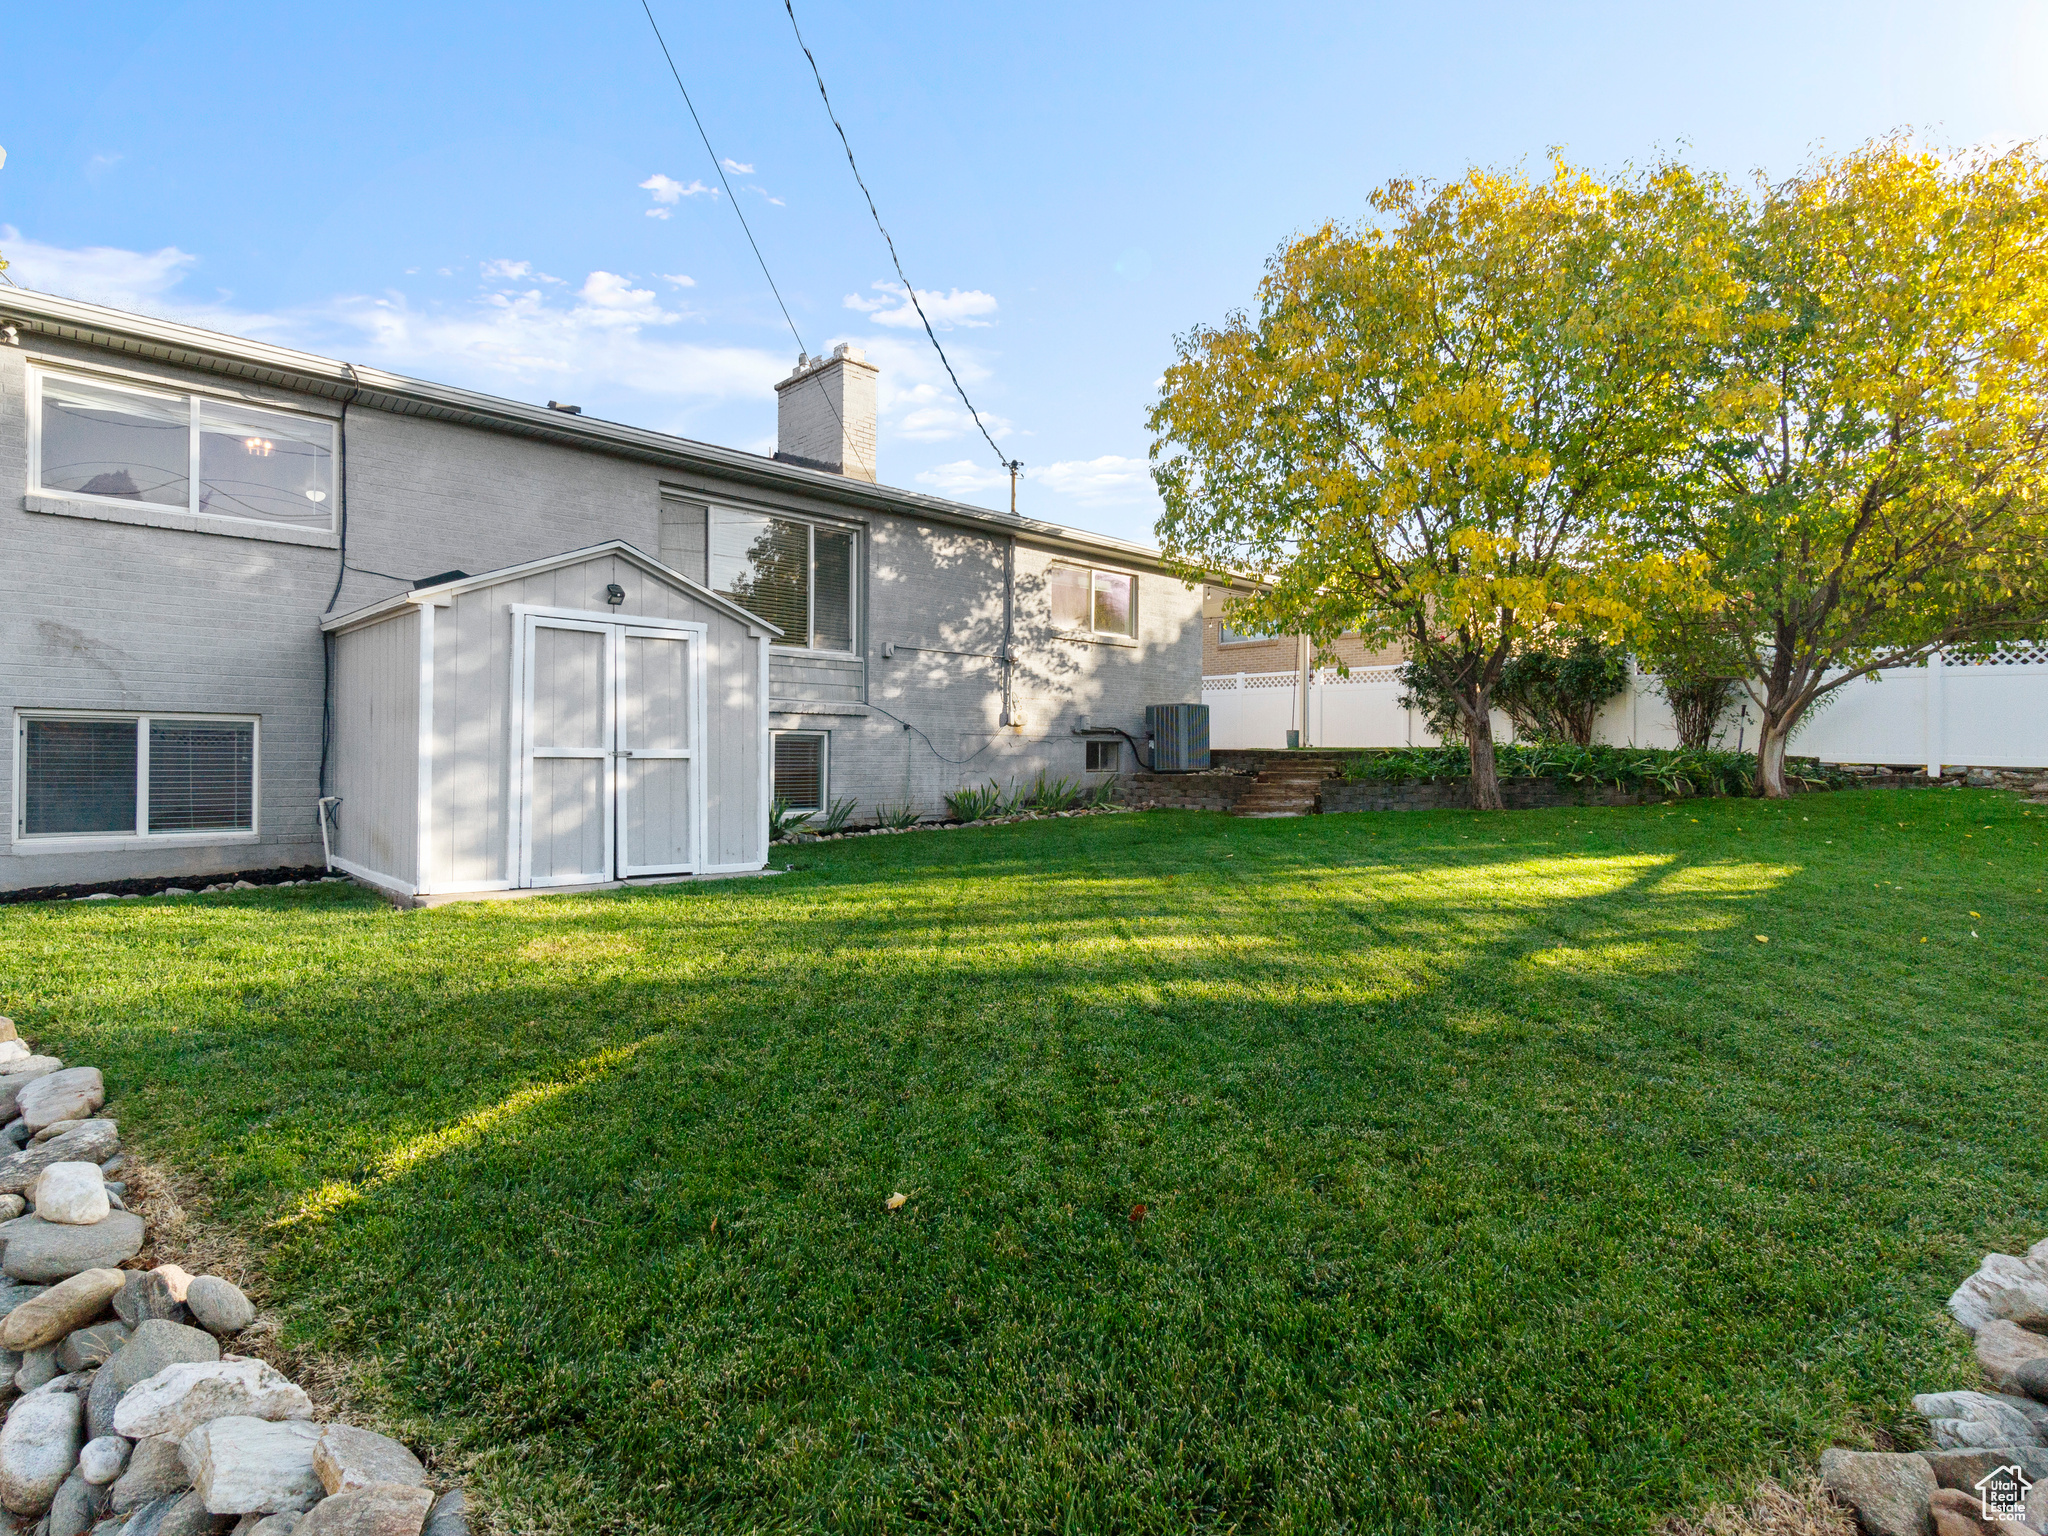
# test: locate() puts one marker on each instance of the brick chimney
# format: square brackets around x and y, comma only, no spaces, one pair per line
[825,414]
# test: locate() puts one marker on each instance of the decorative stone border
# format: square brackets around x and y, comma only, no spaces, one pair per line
[1991,1447]
[124,1415]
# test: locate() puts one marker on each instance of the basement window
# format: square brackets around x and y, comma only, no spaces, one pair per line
[125,776]
[1105,756]
[800,769]
[215,458]
[1091,601]
[798,576]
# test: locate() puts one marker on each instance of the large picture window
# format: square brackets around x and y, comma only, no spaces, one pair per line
[796,575]
[160,449]
[1092,601]
[135,775]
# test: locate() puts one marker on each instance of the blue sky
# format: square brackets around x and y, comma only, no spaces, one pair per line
[463,193]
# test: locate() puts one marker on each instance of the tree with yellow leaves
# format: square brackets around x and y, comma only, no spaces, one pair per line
[1438,423]
[1866,477]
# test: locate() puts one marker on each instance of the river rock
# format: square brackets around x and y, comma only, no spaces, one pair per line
[155,1469]
[11,1206]
[2002,1348]
[77,1507]
[104,1459]
[243,1466]
[185,1515]
[72,1193]
[57,1128]
[38,1448]
[7,1029]
[71,1304]
[273,1525]
[219,1305]
[382,1509]
[449,1516]
[23,1073]
[2003,1286]
[179,1398]
[88,1349]
[1890,1493]
[1962,1419]
[71,1094]
[93,1141]
[12,1049]
[347,1457]
[38,1368]
[2031,1377]
[153,1293]
[156,1343]
[49,1250]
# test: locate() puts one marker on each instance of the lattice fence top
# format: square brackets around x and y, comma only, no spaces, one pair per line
[1325,677]
[2008,653]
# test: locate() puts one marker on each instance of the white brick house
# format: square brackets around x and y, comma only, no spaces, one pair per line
[179,510]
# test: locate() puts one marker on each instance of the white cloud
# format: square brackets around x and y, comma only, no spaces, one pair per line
[681,280]
[668,192]
[737,169]
[1111,480]
[102,274]
[944,310]
[507,269]
[778,202]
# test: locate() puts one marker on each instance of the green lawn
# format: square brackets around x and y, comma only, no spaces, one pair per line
[1496,1177]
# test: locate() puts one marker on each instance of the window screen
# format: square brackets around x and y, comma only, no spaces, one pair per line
[800,771]
[1068,585]
[201,776]
[116,442]
[81,776]
[832,595]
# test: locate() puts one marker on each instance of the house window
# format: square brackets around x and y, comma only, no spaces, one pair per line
[1228,636]
[800,769]
[796,575]
[1105,756]
[160,449]
[1092,601]
[136,775]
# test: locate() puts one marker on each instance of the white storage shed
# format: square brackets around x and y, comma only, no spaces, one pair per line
[577,720]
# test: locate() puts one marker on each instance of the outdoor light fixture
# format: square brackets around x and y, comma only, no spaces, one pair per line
[614,594]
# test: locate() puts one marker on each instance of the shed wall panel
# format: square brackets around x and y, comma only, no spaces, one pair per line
[374,759]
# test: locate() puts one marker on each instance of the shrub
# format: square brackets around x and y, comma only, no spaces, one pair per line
[978,802]
[1554,696]
[1675,771]
[897,817]
[836,818]
[783,822]
[1051,795]
[1697,704]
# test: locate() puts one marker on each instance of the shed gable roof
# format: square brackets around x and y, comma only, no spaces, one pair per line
[618,548]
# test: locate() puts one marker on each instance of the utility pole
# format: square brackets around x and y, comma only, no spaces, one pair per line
[1015,467]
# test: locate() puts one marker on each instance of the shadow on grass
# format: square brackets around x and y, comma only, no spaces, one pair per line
[1500,1186]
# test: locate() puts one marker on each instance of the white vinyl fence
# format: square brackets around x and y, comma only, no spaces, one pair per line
[1984,711]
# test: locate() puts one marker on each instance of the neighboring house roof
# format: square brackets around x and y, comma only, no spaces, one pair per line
[188,346]
[430,592]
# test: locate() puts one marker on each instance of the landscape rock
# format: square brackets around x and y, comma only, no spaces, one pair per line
[382,1509]
[49,1250]
[15,1131]
[11,1206]
[275,1525]
[48,1316]
[38,1447]
[77,1507]
[156,1343]
[153,1294]
[186,1515]
[12,1049]
[347,1457]
[243,1466]
[7,1029]
[89,1348]
[2033,1411]
[450,1515]
[2003,1286]
[90,1141]
[219,1305]
[1955,1513]
[2031,1377]
[72,1193]
[2002,1348]
[104,1459]
[1890,1493]
[38,1368]
[1959,1419]
[179,1398]
[70,1094]
[1961,1469]
[155,1470]
[56,1129]
[114,1164]
[18,1076]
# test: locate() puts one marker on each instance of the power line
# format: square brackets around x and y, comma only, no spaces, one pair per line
[739,213]
[876,213]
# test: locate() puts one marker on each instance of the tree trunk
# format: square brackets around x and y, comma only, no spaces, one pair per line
[1479,742]
[1772,737]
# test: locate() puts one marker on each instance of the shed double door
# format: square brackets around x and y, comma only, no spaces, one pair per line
[611,715]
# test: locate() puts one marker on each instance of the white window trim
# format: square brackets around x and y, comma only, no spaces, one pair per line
[824,739]
[1091,634]
[205,521]
[858,532]
[85,842]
